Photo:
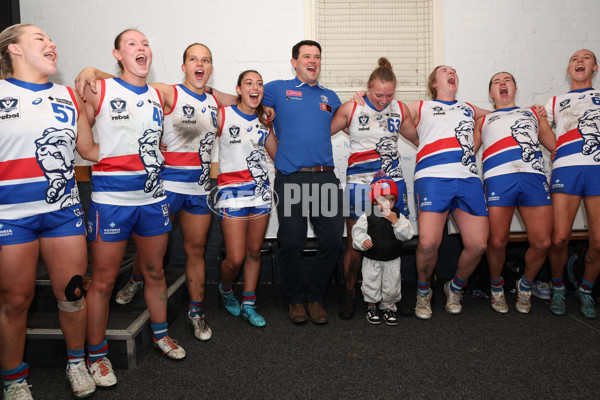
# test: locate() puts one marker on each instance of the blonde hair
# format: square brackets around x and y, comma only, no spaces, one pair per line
[383,72]
[431,81]
[8,36]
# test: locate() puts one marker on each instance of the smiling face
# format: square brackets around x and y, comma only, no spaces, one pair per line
[381,93]
[446,82]
[503,90]
[134,54]
[197,66]
[308,64]
[251,91]
[33,52]
[582,66]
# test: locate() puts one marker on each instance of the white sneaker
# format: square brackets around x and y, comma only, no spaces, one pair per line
[453,299]
[102,372]
[170,348]
[423,307]
[18,391]
[523,304]
[127,293]
[82,383]
[499,302]
[201,329]
[541,290]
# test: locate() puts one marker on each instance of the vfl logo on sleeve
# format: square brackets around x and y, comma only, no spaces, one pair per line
[9,108]
[118,109]
[188,113]
[54,154]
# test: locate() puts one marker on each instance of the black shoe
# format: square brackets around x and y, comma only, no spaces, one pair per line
[405,309]
[390,317]
[373,316]
[347,307]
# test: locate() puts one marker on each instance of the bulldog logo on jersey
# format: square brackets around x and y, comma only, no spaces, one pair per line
[387,148]
[464,135]
[118,109]
[589,128]
[54,155]
[153,161]
[255,162]
[9,108]
[522,131]
[204,152]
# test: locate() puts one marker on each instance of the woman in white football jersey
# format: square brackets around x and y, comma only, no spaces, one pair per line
[128,197]
[576,176]
[40,213]
[374,128]
[514,176]
[244,196]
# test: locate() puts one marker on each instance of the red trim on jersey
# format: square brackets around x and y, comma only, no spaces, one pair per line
[20,169]
[74,100]
[536,114]
[363,156]
[174,100]
[553,105]
[159,99]
[351,115]
[182,159]
[473,109]
[401,110]
[222,121]
[228,178]
[570,136]
[102,94]
[420,106]
[216,101]
[442,144]
[129,162]
[500,145]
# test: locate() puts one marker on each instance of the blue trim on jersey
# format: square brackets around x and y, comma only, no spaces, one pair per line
[182,175]
[503,158]
[581,90]
[505,109]
[133,88]
[119,183]
[200,97]
[363,168]
[568,149]
[26,192]
[447,157]
[34,87]
[243,115]
[448,103]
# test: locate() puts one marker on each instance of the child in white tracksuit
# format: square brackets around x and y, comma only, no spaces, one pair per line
[378,234]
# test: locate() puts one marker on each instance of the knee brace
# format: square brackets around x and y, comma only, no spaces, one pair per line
[74,301]
[71,306]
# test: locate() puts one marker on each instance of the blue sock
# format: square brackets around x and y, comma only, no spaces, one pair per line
[75,356]
[497,286]
[18,374]
[586,287]
[248,299]
[195,308]
[524,284]
[159,330]
[97,352]
[458,285]
[423,287]
[225,290]
[558,284]
[138,279]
